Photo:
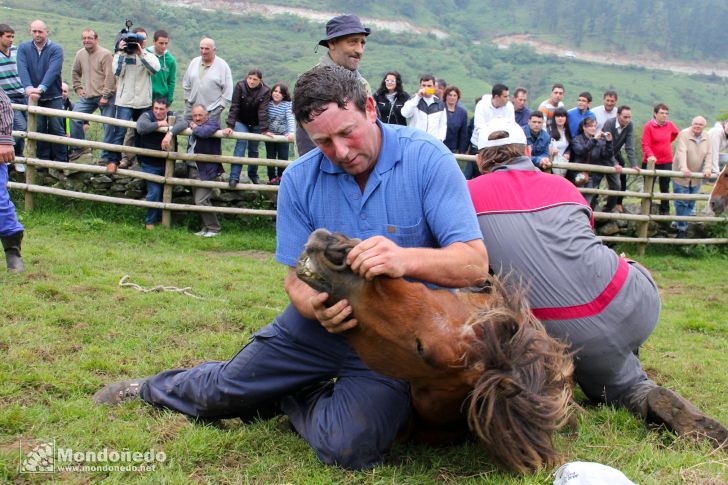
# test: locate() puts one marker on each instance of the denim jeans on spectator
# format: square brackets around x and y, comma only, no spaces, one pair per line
[123,113]
[52,125]
[154,192]
[276,151]
[684,207]
[90,105]
[20,123]
[240,146]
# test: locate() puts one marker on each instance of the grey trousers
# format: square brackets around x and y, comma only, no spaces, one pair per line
[203,196]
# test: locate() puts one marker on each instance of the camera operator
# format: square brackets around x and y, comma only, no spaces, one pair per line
[133,68]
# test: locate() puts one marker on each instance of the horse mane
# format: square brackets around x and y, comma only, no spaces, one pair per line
[523,395]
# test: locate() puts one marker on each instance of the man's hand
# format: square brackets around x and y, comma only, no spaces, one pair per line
[193,125]
[103,101]
[707,173]
[7,153]
[227,131]
[652,159]
[687,172]
[166,141]
[336,318]
[162,124]
[618,168]
[33,93]
[377,256]
[544,163]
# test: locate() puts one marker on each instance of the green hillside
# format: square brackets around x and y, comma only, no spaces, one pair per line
[283,46]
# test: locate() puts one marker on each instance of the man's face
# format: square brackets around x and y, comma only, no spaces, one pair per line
[199,115]
[348,137]
[347,51]
[535,124]
[6,40]
[64,90]
[625,117]
[609,102]
[39,31]
[252,81]
[500,100]
[160,45]
[557,94]
[661,116]
[582,103]
[207,51]
[159,110]
[88,39]
[520,100]
[429,87]
[143,42]
[698,125]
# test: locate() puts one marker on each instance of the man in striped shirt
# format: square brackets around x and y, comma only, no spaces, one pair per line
[11,85]
[11,231]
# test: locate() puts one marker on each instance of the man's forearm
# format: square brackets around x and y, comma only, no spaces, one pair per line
[458,265]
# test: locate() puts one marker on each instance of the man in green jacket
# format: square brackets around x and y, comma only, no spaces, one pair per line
[164,80]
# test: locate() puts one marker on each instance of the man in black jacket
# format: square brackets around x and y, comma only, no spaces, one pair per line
[622,130]
[148,137]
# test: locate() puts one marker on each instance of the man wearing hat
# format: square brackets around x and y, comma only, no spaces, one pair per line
[345,38]
[538,227]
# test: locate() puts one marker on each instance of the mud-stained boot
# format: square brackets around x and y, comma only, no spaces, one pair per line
[680,415]
[118,392]
[11,245]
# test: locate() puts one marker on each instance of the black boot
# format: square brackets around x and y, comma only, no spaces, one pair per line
[11,245]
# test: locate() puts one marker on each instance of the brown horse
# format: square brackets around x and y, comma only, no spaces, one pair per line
[719,195]
[472,358]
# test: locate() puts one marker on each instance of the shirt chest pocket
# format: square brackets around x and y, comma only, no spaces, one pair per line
[408,236]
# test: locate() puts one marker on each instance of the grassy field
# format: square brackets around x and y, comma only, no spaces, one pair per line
[67,328]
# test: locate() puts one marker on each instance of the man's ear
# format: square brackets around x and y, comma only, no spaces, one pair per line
[371,109]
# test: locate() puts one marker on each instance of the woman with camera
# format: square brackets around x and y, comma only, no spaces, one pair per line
[595,148]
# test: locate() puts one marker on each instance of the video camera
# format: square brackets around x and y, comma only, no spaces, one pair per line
[132,39]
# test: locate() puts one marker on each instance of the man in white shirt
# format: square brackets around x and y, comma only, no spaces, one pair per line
[718,136]
[492,106]
[208,81]
[426,111]
[607,110]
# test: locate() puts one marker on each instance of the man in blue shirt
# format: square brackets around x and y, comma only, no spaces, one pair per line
[39,65]
[581,111]
[539,140]
[398,189]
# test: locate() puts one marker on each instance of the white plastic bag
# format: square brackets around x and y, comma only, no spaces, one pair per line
[588,473]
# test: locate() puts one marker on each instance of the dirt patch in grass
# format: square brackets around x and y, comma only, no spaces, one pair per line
[674,290]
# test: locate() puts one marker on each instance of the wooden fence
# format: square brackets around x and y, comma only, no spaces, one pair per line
[647,195]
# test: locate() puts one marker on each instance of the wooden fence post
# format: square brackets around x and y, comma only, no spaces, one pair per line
[168,173]
[30,152]
[646,207]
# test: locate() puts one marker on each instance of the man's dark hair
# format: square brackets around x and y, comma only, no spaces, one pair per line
[136,30]
[536,114]
[610,92]
[660,106]
[323,85]
[160,33]
[585,94]
[89,29]
[498,89]
[499,155]
[622,108]
[283,89]
[161,99]
[558,85]
[427,77]
[441,83]
[519,91]
[5,28]
[256,72]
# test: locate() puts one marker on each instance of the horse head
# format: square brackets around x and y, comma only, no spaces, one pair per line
[720,193]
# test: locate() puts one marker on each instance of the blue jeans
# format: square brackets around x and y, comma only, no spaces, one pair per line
[240,146]
[52,125]
[123,113]
[154,192]
[9,223]
[276,151]
[20,123]
[288,367]
[90,105]
[684,207]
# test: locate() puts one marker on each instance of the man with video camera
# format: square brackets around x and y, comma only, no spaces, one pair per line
[133,67]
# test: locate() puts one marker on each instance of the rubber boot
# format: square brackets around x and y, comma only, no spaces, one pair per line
[11,245]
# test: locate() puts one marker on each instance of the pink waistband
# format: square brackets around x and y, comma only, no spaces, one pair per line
[594,307]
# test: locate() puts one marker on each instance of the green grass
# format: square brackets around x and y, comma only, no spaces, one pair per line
[67,328]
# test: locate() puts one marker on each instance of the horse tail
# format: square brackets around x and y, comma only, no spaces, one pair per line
[523,396]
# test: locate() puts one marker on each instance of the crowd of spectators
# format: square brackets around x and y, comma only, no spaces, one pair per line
[127,82]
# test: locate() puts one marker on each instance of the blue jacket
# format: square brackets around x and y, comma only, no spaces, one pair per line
[575,118]
[457,130]
[539,145]
[522,116]
[41,70]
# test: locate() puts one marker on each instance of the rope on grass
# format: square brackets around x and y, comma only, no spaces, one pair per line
[158,288]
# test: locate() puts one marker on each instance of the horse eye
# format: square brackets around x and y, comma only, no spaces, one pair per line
[420,348]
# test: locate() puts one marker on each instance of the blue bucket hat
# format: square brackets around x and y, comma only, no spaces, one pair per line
[341,26]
